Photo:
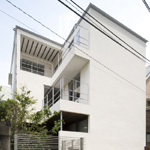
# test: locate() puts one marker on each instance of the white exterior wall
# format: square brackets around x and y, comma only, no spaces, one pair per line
[13,70]
[117,109]
[34,82]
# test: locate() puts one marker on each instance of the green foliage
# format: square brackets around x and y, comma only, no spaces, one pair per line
[1,95]
[57,124]
[20,114]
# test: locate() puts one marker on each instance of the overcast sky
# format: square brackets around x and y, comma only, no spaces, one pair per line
[54,15]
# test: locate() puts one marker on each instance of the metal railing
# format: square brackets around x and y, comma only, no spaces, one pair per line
[36,69]
[62,57]
[67,89]
[72,144]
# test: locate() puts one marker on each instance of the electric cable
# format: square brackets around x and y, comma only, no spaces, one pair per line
[146,5]
[108,29]
[18,21]
[35,20]
[110,70]
[101,30]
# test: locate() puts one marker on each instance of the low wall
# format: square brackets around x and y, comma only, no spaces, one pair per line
[4,136]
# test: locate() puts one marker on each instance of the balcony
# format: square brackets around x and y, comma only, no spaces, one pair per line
[36,68]
[38,55]
[67,89]
[72,58]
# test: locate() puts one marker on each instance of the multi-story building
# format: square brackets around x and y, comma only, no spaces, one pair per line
[96,83]
[148,106]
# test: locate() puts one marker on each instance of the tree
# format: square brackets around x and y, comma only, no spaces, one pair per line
[19,112]
[1,96]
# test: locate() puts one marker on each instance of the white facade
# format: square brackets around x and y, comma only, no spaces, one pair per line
[104,107]
[5,93]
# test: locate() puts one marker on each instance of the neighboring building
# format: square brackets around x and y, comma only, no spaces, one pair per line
[148,106]
[96,104]
[6,92]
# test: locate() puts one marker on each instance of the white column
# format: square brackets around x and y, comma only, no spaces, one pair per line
[61,120]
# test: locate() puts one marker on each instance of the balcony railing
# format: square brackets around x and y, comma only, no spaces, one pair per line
[67,89]
[62,57]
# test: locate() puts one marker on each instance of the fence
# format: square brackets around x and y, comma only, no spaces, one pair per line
[72,144]
[35,142]
[40,142]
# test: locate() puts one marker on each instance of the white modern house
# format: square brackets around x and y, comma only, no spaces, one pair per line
[90,79]
[148,106]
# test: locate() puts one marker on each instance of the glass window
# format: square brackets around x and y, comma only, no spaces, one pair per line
[30,66]
[74,88]
[77,38]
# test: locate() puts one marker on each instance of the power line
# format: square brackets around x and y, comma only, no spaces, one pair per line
[108,29]
[35,20]
[101,31]
[146,5]
[81,50]
[18,21]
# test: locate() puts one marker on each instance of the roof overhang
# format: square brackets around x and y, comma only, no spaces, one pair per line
[38,49]
[38,46]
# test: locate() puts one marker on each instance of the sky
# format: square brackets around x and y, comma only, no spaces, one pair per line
[131,13]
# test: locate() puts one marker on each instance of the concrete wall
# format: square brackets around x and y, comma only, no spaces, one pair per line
[117,118]
[4,136]
[35,83]
[116,108]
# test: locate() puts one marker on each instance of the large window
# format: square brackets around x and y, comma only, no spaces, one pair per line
[32,67]
[74,88]
[77,38]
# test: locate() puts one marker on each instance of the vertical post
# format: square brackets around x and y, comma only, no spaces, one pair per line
[73,94]
[58,59]
[47,100]
[53,95]
[61,121]
[61,87]
[52,70]
[72,144]
[81,143]
[63,145]
[15,142]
